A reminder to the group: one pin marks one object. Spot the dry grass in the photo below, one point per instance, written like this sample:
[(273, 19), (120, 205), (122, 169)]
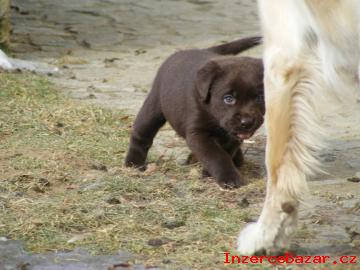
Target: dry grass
[(62, 186)]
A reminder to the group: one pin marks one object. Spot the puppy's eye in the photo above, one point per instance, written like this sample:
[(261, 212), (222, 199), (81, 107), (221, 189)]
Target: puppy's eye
[(229, 100)]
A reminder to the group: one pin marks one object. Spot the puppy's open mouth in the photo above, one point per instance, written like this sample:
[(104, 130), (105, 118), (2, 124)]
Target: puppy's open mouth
[(244, 136)]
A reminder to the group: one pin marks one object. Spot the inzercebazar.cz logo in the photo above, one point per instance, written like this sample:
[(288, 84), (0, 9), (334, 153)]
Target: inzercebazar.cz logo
[(289, 259)]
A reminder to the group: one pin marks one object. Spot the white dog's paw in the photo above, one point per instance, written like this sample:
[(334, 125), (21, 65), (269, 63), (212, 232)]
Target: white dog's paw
[(255, 239), (251, 240), (4, 61)]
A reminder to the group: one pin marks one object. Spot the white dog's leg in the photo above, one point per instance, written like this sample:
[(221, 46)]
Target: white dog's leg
[(291, 124), (4, 61), (8, 63), (358, 85), (292, 79), (305, 49), (271, 232)]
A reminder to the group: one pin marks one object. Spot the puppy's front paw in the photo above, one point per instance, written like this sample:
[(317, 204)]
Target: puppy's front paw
[(232, 181), (133, 161)]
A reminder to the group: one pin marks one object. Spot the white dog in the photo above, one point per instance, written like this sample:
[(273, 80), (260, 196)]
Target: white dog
[(311, 51), (11, 64)]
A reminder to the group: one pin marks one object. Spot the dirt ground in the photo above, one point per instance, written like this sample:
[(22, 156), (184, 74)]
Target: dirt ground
[(108, 53)]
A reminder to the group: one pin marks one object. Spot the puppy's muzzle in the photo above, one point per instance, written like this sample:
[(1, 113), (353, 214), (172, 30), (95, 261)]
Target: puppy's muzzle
[(247, 123)]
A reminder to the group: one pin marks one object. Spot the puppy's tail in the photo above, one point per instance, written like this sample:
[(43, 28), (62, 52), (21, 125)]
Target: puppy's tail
[(236, 46)]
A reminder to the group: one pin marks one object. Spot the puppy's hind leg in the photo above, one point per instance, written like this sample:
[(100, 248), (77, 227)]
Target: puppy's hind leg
[(147, 123)]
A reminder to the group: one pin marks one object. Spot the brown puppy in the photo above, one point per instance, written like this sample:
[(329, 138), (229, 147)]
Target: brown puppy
[(211, 100)]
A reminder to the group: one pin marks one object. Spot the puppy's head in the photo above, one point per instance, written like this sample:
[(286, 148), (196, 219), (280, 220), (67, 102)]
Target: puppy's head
[(231, 90)]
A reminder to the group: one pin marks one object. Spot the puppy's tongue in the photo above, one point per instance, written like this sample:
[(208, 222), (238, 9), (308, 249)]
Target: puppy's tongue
[(244, 136)]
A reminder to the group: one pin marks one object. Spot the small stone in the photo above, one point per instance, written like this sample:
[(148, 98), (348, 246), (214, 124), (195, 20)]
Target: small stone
[(155, 242), (140, 51), (113, 201), (38, 189), (172, 224), (354, 179), (23, 266), (111, 60), (354, 232), (86, 44), (57, 131), (117, 266), (99, 167), (356, 242), (321, 220), (355, 209), (37, 222), (44, 182), (243, 202)]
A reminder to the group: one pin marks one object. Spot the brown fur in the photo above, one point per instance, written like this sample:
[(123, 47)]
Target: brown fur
[(189, 91)]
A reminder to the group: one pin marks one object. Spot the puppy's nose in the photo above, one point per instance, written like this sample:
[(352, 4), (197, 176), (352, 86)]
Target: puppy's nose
[(247, 122)]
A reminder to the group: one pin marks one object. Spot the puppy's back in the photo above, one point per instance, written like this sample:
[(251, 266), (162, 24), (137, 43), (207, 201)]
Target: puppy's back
[(175, 81), (175, 85)]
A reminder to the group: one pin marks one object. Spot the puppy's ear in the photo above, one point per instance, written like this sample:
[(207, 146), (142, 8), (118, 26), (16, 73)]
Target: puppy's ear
[(206, 76)]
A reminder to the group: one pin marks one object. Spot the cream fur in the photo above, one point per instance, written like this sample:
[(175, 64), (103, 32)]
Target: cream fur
[(4, 61), (8, 63), (311, 53)]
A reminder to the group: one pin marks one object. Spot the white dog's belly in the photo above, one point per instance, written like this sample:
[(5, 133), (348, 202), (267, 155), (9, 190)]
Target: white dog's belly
[(328, 27)]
